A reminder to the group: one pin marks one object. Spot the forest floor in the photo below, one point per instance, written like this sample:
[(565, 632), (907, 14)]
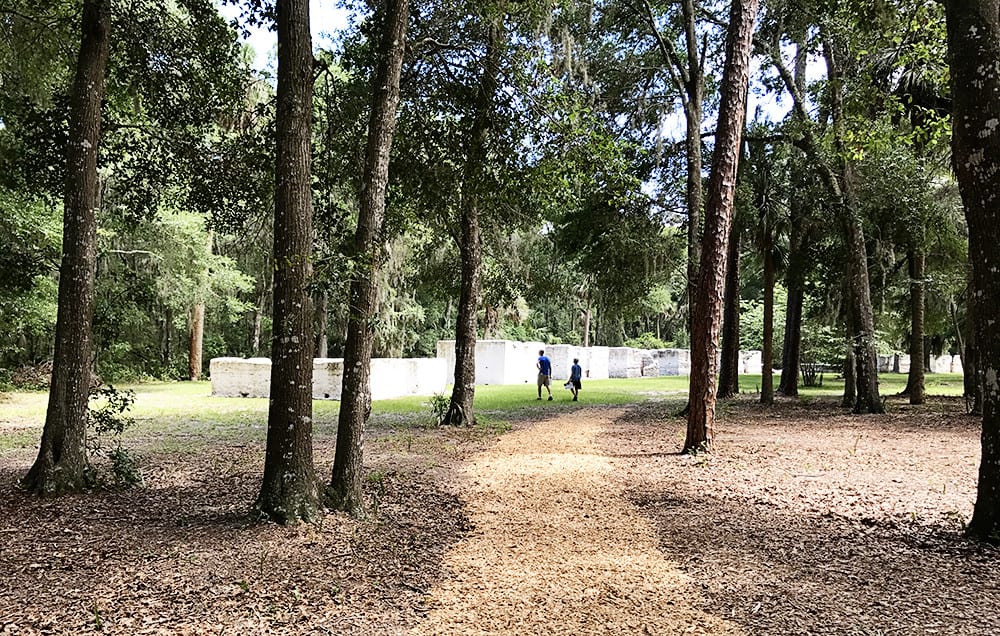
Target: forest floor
[(805, 520)]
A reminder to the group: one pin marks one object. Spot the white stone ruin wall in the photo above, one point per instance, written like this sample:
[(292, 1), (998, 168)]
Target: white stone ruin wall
[(650, 365), (328, 378), (390, 377), (946, 364), (562, 359), (446, 350), (594, 361), (673, 361), (624, 362), (240, 377)]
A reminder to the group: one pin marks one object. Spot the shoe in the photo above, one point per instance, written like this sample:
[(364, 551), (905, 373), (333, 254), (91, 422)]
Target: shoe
[(574, 399), (538, 399), (550, 398)]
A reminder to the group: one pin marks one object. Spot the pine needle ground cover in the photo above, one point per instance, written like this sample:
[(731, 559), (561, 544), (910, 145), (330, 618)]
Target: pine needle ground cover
[(548, 517)]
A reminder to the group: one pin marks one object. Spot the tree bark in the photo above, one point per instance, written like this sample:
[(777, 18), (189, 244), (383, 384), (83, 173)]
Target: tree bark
[(729, 366), (767, 355), (850, 371), (974, 53), (718, 217), (460, 410), (791, 349), (322, 324), (915, 378), (62, 464), (345, 489), (289, 491), (196, 341)]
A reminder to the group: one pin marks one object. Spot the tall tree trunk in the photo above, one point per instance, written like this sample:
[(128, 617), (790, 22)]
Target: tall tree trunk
[(729, 366), (62, 464), (718, 217), (289, 491), (460, 410), (791, 348), (974, 45), (972, 384), (915, 378), (861, 314), (197, 341), (767, 355), (322, 324), (344, 492)]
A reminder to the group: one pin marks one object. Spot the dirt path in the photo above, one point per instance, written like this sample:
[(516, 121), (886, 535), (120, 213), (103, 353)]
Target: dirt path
[(557, 548)]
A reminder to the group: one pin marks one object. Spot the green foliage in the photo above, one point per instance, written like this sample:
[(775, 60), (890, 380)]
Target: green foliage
[(439, 404), (647, 341), (108, 422)]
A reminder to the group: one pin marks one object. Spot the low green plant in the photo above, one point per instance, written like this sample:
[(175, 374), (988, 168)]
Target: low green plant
[(108, 422), (439, 404)]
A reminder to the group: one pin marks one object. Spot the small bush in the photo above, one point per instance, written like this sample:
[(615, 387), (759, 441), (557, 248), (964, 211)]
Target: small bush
[(439, 406), (108, 422)]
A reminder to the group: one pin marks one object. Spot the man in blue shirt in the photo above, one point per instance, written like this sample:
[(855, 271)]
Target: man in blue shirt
[(544, 366), (575, 377)]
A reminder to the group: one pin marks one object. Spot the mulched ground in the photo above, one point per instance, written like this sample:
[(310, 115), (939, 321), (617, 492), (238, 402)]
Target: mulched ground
[(806, 520)]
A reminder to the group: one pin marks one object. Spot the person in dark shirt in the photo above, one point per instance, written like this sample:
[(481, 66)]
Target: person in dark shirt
[(575, 377), (544, 366)]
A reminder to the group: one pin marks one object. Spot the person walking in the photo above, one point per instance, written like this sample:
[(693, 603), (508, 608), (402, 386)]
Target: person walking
[(544, 366), (575, 378)]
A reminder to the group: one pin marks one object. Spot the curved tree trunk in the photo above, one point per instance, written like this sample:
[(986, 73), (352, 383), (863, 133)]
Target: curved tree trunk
[(974, 45), (345, 489), (718, 217), (729, 365), (288, 492), (460, 410), (62, 464)]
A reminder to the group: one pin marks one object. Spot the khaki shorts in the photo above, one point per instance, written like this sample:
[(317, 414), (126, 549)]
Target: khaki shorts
[(544, 380)]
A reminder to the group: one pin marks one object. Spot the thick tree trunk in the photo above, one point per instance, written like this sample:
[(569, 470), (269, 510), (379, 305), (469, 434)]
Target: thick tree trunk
[(915, 378), (862, 321), (718, 217), (62, 464), (729, 365), (460, 410), (345, 489), (196, 341), (767, 355), (973, 51), (289, 491)]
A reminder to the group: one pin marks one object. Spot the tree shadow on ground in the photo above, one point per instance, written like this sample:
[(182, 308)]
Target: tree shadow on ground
[(810, 520)]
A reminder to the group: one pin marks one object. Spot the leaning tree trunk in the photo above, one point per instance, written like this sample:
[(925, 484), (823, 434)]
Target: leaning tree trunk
[(718, 217), (289, 492), (974, 45), (62, 464), (344, 492), (915, 378), (460, 410), (850, 371), (767, 355), (729, 365)]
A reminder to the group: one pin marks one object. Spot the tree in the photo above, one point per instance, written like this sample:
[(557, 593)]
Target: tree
[(289, 491), (974, 54), (460, 409), (62, 464), (718, 217), (344, 490), (729, 365)]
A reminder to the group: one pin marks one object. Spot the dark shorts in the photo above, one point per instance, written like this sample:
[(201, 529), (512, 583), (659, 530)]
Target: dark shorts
[(576, 384)]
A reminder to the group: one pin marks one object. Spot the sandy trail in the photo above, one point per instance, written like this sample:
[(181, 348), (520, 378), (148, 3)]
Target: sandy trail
[(557, 548)]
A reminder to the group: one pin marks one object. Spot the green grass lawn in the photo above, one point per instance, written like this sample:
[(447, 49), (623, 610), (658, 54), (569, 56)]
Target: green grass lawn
[(184, 415)]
